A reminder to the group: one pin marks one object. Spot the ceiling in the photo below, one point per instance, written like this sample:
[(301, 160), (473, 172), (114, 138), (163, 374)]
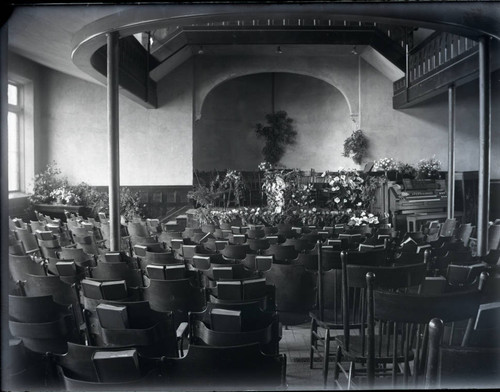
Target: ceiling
[(46, 33)]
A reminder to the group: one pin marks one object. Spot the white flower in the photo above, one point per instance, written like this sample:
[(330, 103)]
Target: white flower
[(336, 200)]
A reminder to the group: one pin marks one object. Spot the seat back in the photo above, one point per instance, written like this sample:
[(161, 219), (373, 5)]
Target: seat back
[(455, 367), (21, 265), (398, 332), (232, 367)]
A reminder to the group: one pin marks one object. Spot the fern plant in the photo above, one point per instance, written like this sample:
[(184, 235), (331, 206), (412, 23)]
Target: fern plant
[(278, 134), (356, 147)]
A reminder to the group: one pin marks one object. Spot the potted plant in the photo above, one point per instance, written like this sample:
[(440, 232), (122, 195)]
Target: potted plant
[(356, 147), (428, 168), (388, 166), (407, 170), (278, 134)]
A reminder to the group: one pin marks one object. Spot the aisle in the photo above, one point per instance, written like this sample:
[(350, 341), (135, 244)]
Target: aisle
[(295, 344)]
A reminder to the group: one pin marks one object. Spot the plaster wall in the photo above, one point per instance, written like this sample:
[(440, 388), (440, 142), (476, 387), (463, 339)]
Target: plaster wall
[(155, 144), (230, 110)]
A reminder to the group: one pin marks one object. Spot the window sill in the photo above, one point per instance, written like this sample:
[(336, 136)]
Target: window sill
[(17, 195)]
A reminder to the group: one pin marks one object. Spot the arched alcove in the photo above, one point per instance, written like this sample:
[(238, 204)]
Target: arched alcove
[(224, 136)]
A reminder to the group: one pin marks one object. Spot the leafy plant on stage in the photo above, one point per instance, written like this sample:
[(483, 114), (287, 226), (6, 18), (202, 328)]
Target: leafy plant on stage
[(130, 204), (278, 134), (356, 147)]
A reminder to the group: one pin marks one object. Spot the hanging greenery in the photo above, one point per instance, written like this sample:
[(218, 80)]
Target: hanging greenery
[(356, 147), (278, 134)]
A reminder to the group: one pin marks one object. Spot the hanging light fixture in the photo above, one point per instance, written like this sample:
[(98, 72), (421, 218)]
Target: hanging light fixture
[(278, 50), (200, 50), (354, 51)]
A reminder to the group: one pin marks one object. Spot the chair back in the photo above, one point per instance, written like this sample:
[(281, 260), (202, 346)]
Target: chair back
[(457, 367), (395, 333), (223, 367)]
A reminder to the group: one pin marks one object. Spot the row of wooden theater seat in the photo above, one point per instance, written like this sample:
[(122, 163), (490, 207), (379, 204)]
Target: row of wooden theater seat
[(157, 295)]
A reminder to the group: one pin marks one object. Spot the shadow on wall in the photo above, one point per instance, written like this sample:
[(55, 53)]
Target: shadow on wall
[(224, 137)]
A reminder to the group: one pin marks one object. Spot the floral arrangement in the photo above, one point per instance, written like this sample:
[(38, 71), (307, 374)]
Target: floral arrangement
[(65, 195), (284, 190), (223, 188), (407, 170), (428, 168), (345, 189), (356, 147), (362, 218), (45, 183), (385, 164)]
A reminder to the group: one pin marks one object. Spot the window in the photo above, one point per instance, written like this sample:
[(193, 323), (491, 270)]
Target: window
[(15, 137)]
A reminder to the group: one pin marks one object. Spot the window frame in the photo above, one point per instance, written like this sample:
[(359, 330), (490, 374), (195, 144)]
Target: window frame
[(19, 111)]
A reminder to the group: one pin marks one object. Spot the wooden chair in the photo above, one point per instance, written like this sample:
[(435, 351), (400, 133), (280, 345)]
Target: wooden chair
[(396, 336), (353, 348), (457, 367), (328, 313), (21, 265)]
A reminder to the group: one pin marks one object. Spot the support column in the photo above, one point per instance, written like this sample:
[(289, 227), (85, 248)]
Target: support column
[(451, 152), (113, 52), (484, 146), (4, 206)]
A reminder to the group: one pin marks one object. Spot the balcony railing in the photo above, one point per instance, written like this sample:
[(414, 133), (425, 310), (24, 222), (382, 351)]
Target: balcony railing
[(438, 50), (399, 34)]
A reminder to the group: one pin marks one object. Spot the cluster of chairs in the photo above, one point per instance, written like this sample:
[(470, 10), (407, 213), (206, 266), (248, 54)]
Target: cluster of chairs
[(145, 317), (225, 291), (376, 310)]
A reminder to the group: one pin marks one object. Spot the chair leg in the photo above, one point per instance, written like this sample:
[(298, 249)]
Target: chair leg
[(352, 369), (314, 329), (336, 363), (326, 356)]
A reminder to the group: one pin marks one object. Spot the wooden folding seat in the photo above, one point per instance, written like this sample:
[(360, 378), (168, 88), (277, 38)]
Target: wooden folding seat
[(300, 244), (117, 271), (258, 245), (89, 368), (234, 367), (178, 296), (223, 326), (282, 254), (23, 370), (21, 265), (295, 291), (90, 245), (42, 324), (235, 252), (219, 269), (136, 324), (29, 241)]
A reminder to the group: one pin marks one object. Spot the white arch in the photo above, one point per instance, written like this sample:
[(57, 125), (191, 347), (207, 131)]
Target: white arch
[(233, 70)]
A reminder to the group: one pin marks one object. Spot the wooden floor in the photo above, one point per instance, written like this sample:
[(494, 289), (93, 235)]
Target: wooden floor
[(295, 344)]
